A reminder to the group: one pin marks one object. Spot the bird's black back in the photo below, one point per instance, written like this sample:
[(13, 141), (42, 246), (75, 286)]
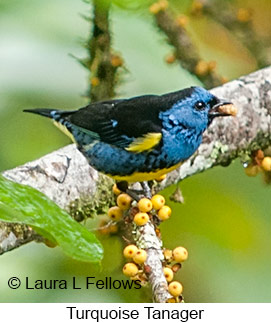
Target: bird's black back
[(131, 117)]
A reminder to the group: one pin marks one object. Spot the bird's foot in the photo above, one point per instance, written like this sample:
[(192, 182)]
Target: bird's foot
[(123, 187), (146, 189), (135, 194)]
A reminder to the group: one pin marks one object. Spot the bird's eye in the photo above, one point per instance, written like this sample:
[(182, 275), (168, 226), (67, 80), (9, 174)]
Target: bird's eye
[(200, 105)]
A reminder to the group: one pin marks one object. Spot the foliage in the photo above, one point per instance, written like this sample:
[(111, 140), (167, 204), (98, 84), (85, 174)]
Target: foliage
[(23, 204)]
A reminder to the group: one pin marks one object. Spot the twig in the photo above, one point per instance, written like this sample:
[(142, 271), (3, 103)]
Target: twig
[(184, 49), (239, 22), (102, 63)]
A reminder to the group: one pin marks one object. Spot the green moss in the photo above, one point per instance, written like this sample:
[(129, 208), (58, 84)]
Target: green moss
[(90, 206)]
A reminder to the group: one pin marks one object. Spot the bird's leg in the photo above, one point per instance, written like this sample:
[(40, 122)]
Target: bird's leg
[(123, 186), (146, 189)]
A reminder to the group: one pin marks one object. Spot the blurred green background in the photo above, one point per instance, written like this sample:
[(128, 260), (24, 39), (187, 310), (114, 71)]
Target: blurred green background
[(225, 222)]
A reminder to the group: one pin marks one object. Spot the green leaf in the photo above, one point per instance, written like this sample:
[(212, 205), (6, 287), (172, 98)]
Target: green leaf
[(23, 204)]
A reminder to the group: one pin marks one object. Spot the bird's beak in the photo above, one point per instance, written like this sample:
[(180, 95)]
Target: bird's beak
[(223, 109)]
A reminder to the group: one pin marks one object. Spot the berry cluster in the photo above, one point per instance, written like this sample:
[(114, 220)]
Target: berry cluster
[(172, 263), (135, 268), (260, 163), (139, 213)]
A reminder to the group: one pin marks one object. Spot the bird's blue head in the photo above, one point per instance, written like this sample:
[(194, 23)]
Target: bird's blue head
[(193, 110)]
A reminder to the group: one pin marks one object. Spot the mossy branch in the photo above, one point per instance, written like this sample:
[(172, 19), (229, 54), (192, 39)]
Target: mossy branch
[(102, 63)]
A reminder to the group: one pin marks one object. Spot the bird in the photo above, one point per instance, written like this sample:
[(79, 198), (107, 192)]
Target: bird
[(141, 138)]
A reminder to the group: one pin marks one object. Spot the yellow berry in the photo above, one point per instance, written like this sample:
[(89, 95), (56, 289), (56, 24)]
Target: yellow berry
[(164, 213), (168, 254), (140, 257), (175, 288), (180, 254), (130, 251), (116, 191), (115, 213), (130, 269), (168, 274), (124, 201), (141, 218), (266, 164), (158, 201), (144, 205)]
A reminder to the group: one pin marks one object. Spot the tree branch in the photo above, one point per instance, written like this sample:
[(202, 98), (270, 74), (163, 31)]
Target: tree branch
[(185, 50), (102, 64), (239, 22), (66, 178)]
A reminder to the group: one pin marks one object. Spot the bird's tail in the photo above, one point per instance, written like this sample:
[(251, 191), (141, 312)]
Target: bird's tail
[(50, 113)]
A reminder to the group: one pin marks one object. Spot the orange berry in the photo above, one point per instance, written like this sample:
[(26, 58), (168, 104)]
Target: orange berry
[(170, 59), (129, 251), (266, 164), (130, 269), (180, 254), (197, 7), (168, 274), (182, 21), (164, 213), (144, 205), (252, 170), (141, 218), (116, 61), (95, 81), (115, 213), (202, 68), (175, 288), (158, 6), (244, 15), (124, 201), (158, 201), (140, 257), (115, 189)]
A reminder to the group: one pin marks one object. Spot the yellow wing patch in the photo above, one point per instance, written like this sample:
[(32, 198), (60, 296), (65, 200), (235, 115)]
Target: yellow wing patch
[(144, 143), (64, 130)]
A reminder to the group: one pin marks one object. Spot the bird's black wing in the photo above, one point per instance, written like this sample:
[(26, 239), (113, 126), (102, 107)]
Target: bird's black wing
[(133, 124), (122, 122)]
